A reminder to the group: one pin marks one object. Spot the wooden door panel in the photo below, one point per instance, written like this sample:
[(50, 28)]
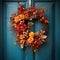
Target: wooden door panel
[(12, 52), (45, 52)]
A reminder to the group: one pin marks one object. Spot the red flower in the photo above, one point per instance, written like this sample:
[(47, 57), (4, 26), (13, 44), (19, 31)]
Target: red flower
[(20, 10), (21, 27), (32, 9)]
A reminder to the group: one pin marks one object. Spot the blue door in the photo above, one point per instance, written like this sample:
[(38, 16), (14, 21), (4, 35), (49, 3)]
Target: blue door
[(12, 51)]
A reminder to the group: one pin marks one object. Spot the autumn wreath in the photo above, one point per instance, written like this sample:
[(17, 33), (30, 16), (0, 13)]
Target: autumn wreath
[(21, 23)]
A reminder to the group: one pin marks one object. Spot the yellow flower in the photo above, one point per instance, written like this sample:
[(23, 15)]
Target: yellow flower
[(31, 34), (29, 40), (21, 36), (16, 19)]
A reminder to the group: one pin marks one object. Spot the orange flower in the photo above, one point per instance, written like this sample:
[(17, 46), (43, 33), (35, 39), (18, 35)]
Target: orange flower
[(21, 36), (29, 40), (21, 16), (31, 34), (16, 19)]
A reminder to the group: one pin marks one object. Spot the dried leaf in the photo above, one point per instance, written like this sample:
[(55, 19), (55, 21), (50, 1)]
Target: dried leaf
[(43, 36)]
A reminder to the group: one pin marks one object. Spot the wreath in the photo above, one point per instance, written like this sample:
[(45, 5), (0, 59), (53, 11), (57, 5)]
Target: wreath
[(21, 23)]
